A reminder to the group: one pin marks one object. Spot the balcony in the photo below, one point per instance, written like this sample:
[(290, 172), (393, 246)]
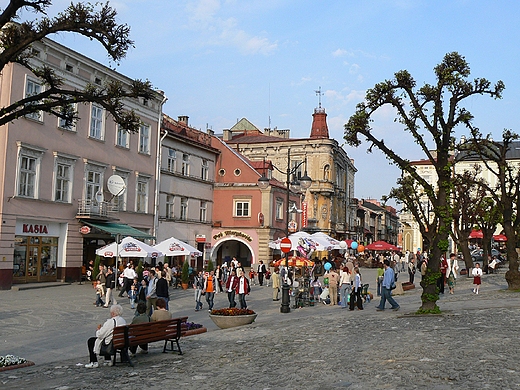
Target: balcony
[(89, 208)]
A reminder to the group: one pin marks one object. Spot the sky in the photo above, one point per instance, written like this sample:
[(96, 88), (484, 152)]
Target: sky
[(222, 60)]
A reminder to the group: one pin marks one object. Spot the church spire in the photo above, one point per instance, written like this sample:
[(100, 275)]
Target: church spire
[(319, 127)]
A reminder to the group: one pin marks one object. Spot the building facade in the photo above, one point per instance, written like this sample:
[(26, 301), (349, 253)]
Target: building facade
[(328, 205), (55, 205)]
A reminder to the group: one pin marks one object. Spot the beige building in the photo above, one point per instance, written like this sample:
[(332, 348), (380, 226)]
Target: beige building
[(55, 205), (328, 205)]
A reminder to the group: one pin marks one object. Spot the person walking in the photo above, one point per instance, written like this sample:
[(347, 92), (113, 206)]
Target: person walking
[(386, 290), (231, 286), (411, 271), (198, 286), (151, 293), (261, 270), (356, 290), (218, 278), (111, 286), (442, 279), (162, 288), (345, 286), (477, 275), (452, 271), (333, 286), (379, 278), (210, 288), (242, 290), (275, 277)]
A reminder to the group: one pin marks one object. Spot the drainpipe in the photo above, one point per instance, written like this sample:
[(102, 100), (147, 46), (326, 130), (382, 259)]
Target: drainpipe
[(158, 168)]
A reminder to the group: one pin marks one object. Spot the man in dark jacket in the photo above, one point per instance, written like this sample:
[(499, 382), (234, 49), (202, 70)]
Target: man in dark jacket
[(162, 288)]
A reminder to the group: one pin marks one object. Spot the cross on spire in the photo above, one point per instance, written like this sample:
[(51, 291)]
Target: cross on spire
[(319, 94)]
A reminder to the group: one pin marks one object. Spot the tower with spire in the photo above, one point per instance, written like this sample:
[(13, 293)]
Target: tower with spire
[(319, 127)]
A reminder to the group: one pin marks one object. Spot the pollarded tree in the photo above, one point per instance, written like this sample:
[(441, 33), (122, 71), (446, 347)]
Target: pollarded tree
[(430, 112), (97, 22)]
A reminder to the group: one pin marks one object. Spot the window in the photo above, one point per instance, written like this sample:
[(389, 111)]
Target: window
[(96, 122), (237, 172), (172, 156), (203, 211), (63, 125), (27, 176), (296, 167), (33, 88), (170, 206), (142, 195), (184, 209), (279, 209), (242, 208), (144, 139), (204, 170), (63, 183), (122, 137), (93, 183), (185, 170)]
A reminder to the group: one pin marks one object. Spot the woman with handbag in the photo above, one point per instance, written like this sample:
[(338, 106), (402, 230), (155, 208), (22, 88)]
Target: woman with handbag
[(97, 345)]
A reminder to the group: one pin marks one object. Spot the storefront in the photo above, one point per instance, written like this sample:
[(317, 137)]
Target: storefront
[(36, 252)]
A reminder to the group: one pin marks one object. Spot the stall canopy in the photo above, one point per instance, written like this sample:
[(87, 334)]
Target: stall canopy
[(129, 247), (118, 228), (476, 234), (500, 238), (294, 262), (381, 246), (174, 247), (301, 242), (326, 241)]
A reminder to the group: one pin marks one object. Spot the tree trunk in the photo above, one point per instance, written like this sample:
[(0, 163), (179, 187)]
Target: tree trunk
[(513, 275), (468, 261)]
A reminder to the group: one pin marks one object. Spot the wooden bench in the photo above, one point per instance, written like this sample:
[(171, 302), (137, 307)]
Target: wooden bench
[(133, 335)]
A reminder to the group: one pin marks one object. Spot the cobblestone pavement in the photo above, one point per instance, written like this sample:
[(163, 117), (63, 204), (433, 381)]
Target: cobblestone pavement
[(473, 344)]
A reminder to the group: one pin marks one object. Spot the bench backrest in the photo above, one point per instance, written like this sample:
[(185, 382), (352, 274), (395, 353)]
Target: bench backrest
[(119, 336)]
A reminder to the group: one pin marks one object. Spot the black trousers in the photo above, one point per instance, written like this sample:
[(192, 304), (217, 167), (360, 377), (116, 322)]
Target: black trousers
[(440, 283), (231, 298), (260, 278), (356, 296)]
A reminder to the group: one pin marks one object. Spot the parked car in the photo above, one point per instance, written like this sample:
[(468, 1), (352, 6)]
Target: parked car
[(476, 255)]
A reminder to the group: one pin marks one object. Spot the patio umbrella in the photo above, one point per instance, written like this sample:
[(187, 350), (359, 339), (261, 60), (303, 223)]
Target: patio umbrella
[(175, 247), (326, 241), (500, 238), (301, 242), (129, 247), (381, 246), (476, 234), (295, 261)]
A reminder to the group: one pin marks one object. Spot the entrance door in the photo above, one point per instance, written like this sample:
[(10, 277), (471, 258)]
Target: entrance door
[(35, 259)]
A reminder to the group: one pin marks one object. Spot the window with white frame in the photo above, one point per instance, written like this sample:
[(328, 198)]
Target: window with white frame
[(120, 201), (172, 158), (96, 122), (142, 195), (185, 169), (33, 88), (203, 211), (279, 208), (62, 123), (170, 206), (28, 171), (93, 181), (184, 209), (204, 170), (122, 137), (144, 139), (63, 174), (242, 208)]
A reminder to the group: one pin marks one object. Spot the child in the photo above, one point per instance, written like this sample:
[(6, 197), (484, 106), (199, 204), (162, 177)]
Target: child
[(132, 295), (100, 292), (477, 274), (252, 276), (316, 289)]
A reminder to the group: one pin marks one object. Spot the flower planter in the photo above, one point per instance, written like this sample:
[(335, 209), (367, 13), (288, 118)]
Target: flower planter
[(184, 286), (15, 366), (225, 322), (191, 332)]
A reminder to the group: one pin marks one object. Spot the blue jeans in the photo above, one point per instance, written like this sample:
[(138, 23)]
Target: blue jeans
[(386, 295), (379, 286), (198, 303), (344, 292), (242, 300), (209, 298)]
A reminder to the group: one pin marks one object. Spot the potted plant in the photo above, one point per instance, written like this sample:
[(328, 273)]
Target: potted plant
[(231, 317), (185, 275)]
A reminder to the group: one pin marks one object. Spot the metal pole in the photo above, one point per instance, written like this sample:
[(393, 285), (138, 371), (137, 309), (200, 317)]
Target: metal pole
[(286, 299)]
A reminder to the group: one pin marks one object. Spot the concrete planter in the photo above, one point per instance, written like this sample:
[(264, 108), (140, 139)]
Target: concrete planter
[(192, 332), (225, 322)]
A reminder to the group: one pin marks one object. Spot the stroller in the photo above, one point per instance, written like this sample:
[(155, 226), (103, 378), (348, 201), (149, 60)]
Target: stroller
[(365, 296)]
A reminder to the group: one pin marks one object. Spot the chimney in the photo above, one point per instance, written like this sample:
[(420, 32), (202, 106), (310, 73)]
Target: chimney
[(319, 127), (183, 119), (227, 135)]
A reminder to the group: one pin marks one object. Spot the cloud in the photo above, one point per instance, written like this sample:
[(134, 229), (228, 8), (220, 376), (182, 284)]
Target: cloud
[(342, 53), (354, 68), (204, 17)]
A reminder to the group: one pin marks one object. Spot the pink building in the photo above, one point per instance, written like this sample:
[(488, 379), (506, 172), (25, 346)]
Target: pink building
[(55, 206)]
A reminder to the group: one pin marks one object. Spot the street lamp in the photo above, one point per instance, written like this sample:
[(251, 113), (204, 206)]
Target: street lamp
[(295, 185)]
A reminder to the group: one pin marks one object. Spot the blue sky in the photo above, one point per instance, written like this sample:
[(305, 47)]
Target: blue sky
[(222, 60)]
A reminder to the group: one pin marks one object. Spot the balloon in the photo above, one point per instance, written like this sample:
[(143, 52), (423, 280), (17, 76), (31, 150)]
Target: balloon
[(354, 245), (361, 248), (327, 266), (342, 244)]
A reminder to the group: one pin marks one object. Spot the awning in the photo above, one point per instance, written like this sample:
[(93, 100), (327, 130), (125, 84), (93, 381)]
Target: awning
[(118, 228)]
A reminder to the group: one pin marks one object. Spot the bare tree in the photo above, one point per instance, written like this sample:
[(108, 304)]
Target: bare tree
[(97, 22), (434, 110)]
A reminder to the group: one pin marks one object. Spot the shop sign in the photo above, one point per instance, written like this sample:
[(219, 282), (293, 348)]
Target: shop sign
[(234, 233), (293, 226), (35, 229), (29, 228), (200, 238), (84, 229)]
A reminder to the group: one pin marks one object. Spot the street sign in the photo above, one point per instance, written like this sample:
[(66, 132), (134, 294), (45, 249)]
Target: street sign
[(285, 245)]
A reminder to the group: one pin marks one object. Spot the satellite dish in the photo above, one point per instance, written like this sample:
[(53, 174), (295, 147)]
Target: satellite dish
[(116, 185), (99, 196)]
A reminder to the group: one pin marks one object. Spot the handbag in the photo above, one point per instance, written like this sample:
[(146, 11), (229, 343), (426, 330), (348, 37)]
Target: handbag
[(107, 349)]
